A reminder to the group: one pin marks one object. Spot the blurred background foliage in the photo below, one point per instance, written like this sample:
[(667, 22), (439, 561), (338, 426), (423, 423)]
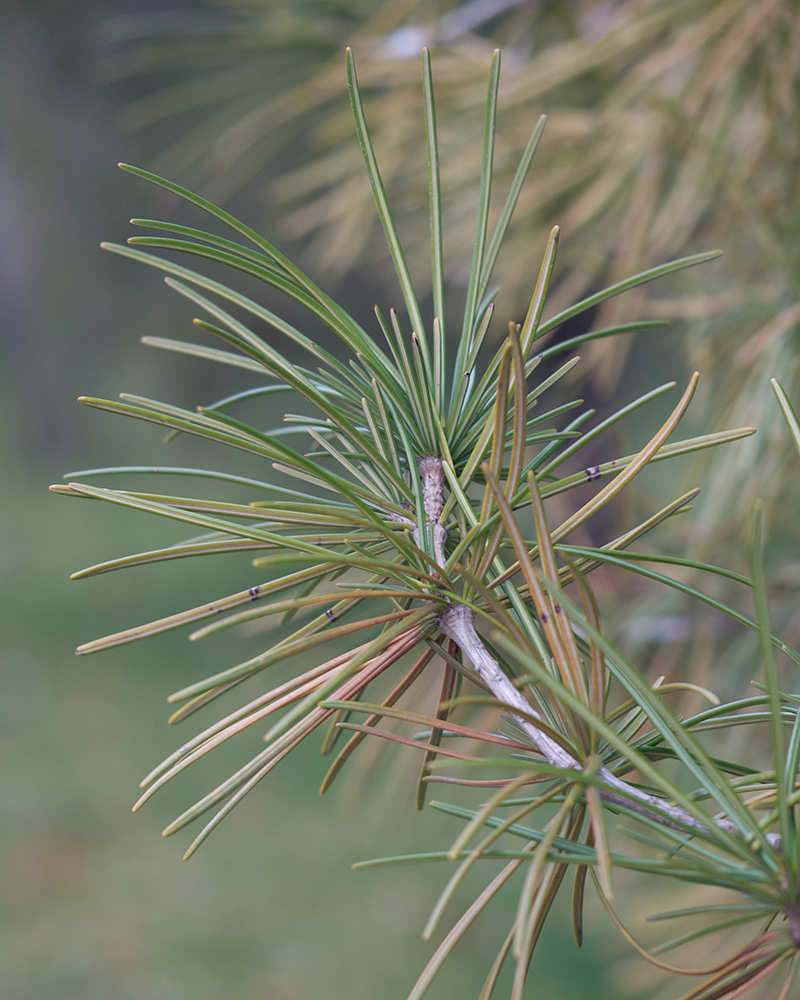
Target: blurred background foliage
[(673, 127)]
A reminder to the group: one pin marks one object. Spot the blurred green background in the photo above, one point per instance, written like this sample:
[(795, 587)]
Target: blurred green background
[(95, 905)]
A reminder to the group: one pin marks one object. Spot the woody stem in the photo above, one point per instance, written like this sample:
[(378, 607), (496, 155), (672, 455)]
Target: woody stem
[(456, 621)]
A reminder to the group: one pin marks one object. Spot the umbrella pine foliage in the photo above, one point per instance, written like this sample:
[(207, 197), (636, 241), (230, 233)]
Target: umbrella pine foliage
[(419, 536)]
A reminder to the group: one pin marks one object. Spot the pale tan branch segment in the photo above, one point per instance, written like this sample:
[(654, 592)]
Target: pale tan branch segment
[(457, 622)]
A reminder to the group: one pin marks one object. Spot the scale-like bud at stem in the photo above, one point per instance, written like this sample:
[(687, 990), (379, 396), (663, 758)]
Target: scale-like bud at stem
[(430, 469)]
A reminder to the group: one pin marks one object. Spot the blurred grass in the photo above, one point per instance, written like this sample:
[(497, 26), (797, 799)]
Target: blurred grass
[(95, 903)]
